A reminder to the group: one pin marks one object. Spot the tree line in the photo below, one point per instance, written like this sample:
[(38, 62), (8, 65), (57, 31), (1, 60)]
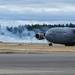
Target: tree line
[(36, 27)]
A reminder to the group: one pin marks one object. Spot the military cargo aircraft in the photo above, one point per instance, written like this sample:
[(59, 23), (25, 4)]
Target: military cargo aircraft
[(58, 35)]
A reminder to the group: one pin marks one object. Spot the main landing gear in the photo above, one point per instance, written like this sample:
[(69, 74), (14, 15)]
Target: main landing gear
[(69, 44)]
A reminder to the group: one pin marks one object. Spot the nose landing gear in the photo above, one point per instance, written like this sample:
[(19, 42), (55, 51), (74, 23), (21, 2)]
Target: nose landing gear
[(50, 44)]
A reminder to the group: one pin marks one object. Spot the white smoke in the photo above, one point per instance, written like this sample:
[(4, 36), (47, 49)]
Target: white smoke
[(26, 36)]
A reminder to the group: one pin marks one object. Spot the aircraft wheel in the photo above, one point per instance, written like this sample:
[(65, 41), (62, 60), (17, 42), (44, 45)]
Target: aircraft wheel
[(69, 45), (50, 44)]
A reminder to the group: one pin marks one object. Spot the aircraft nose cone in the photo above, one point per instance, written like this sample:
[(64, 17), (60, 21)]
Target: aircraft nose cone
[(47, 36)]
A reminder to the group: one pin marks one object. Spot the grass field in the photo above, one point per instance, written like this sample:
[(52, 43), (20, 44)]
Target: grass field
[(36, 47)]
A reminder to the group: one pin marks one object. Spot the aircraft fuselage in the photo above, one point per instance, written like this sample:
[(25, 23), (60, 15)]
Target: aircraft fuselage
[(61, 35)]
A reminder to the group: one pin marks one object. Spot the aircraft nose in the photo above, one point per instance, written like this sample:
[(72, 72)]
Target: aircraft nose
[(47, 36)]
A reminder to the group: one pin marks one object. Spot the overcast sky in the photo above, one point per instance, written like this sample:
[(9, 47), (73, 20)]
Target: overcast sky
[(15, 12)]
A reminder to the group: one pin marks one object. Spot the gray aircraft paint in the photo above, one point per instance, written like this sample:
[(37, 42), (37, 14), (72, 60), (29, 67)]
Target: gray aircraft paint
[(61, 35)]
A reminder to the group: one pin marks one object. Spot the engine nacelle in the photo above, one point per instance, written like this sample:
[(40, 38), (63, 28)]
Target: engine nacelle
[(40, 36)]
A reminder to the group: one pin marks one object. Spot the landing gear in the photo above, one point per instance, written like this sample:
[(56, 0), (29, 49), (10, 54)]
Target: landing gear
[(69, 44), (50, 44)]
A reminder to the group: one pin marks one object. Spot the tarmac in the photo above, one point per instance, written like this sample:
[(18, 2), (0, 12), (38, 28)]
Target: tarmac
[(41, 63)]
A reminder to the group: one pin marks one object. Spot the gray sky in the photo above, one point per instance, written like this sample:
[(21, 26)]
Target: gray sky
[(15, 12)]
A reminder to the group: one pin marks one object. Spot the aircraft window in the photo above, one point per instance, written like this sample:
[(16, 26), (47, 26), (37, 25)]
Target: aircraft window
[(53, 31), (60, 32)]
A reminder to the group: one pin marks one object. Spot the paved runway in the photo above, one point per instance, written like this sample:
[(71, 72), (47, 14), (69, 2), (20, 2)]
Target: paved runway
[(54, 63)]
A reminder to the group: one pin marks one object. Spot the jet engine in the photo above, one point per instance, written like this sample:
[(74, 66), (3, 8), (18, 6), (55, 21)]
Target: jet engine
[(40, 36)]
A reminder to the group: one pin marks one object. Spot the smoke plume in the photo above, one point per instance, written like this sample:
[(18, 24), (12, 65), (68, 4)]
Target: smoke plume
[(24, 35)]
